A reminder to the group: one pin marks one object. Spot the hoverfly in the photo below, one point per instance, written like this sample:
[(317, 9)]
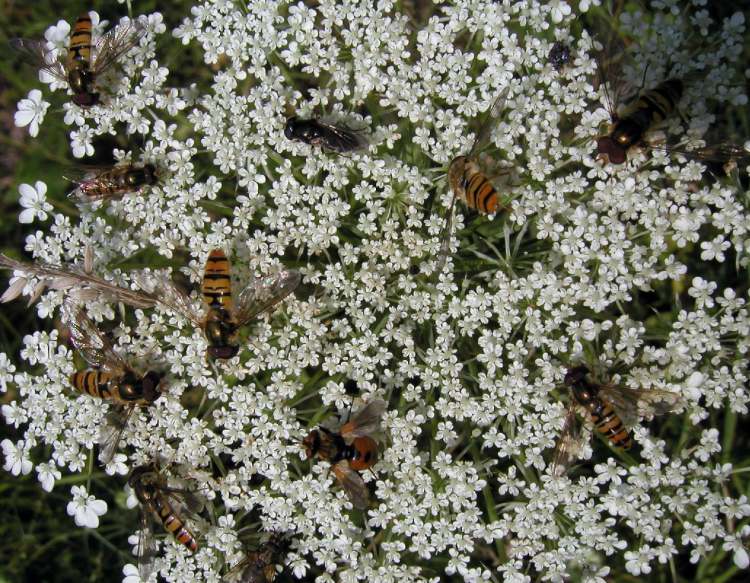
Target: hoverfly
[(112, 379), (611, 409), (219, 319), (77, 280), (636, 112), (350, 450), (85, 62), (168, 504), (336, 138), (559, 55), (260, 566), (470, 184), (114, 182)]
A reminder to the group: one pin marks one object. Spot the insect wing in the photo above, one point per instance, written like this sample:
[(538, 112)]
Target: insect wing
[(484, 133), (568, 444), (111, 432), (445, 235), (36, 53), (630, 404), (115, 43), (83, 287), (353, 485), (342, 139), (264, 293), (166, 293), (366, 421), (91, 343), (146, 545)]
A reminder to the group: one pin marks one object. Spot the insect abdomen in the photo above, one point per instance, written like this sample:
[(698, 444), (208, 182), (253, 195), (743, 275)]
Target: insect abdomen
[(95, 383), (173, 524), (652, 108), (480, 194), (216, 287), (609, 424), (80, 40)]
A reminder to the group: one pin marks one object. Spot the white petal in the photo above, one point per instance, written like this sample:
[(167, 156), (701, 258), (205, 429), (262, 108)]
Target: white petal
[(36, 96), (27, 192), (27, 216), (99, 507), (23, 116), (40, 187), (740, 558)]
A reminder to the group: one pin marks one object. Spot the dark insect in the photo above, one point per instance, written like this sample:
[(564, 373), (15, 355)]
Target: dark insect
[(169, 505), (260, 566), (559, 55), (350, 450), (112, 379), (611, 409), (327, 136), (85, 61), (114, 182)]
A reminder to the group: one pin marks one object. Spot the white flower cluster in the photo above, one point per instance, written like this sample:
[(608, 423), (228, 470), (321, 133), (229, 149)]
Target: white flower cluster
[(471, 360)]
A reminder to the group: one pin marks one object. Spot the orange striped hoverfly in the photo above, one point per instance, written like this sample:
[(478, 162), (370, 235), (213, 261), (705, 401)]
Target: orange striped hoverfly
[(112, 379), (85, 61), (611, 409), (219, 318), (470, 184), (260, 566), (350, 450), (169, 505), (114, 182)]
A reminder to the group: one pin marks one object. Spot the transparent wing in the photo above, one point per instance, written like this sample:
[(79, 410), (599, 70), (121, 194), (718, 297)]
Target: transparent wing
[(353, 485), (631, 404), (234, 574), (111, 432), (36, 53), (165, 292), (484, 132), (114, 44), (611, 59), (264, 293), (146, 545), (445, 235), (366, 421), (342, 139), (91, 342), (568, 444), (87, 287)]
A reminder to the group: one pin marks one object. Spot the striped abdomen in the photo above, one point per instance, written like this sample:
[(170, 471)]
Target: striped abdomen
[(79, 51), (609, 424), (470, 184), (172, 523), (602, 414), (216, 287), (95, 383)]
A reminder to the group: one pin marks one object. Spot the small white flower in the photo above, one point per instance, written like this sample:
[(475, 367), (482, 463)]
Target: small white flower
[(48, 473), (33, 199), (559, 10), (85, 509), (16, 461), (31, 112)]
